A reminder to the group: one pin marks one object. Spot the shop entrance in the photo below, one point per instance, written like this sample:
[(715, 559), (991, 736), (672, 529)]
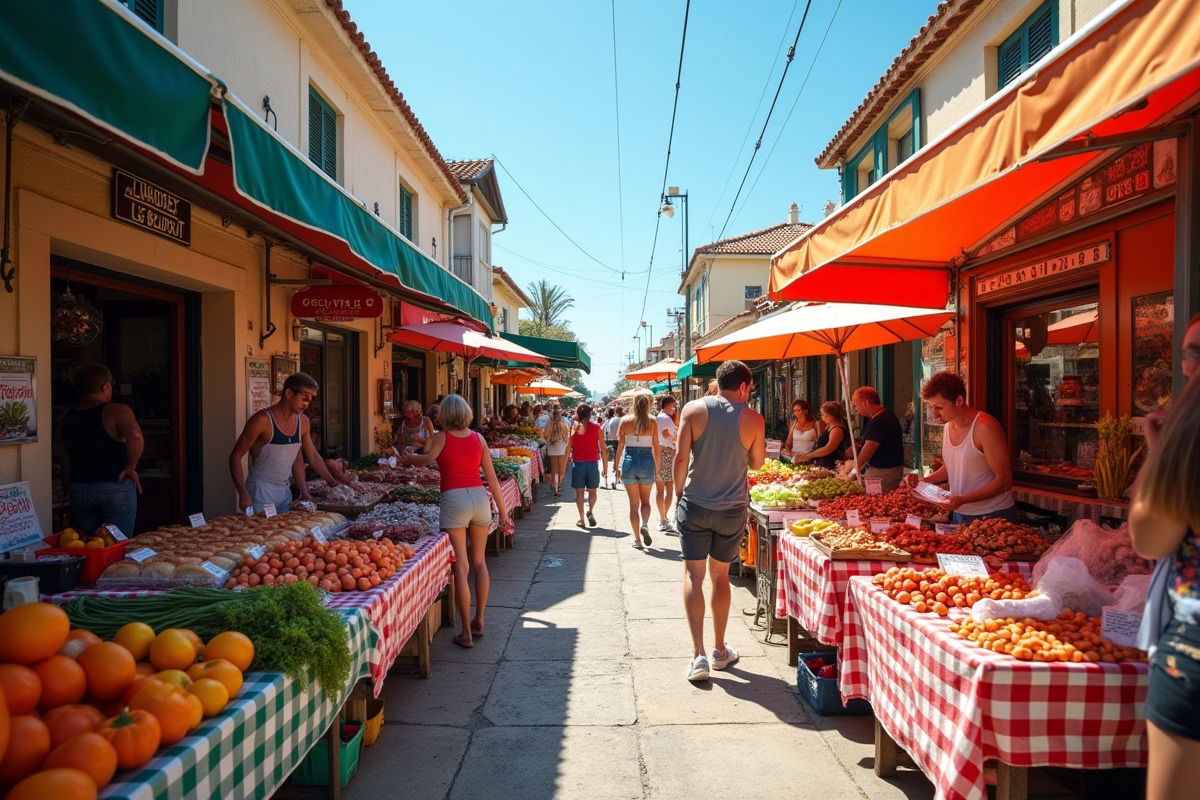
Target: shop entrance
[(331, 358), (137, 331)]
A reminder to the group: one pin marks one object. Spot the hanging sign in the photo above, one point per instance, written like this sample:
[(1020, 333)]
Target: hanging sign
[(1086, 256), (141, 203), (19, 524), (18, 403), (337, 303)]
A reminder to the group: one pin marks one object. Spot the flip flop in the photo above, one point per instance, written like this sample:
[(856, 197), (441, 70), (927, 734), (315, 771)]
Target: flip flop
[(591, 519), (458, 641), (580, 525), (476, 633)]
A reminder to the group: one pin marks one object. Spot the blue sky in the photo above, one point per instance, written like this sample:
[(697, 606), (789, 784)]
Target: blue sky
[(533, 84)]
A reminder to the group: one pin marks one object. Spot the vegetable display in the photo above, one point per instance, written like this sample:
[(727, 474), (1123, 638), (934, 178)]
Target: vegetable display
[(333, 566), (416, 494), (925, 544), (1072, 636), (894, 505), (839, 538), (1003, 539), (934, 591)]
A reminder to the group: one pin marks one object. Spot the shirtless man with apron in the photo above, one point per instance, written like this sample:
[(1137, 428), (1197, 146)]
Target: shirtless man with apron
[(278, 442)]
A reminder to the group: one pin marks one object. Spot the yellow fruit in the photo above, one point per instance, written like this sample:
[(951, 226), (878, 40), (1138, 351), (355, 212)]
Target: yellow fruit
[(175, 677), (136, 638), (68, 536), (197, 715), (219, 670), (96, 544), (172, 649), (213, 695), (234, 647), (76, 543)]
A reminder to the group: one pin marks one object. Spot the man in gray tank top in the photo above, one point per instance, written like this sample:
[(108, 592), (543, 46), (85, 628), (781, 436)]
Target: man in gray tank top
[(719, 439)]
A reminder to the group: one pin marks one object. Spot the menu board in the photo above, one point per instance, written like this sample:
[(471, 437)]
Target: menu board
[(18, 401), (1153, 334), (19, 524)]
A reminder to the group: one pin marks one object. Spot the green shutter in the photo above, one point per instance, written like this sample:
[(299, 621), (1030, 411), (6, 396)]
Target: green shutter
[(1008, 59), (148, 11), (1040, 34), (406, 199), (322, 134), (1029, 43), (314, 127)]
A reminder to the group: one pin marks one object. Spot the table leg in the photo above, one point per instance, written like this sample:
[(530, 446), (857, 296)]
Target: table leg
[(793, 642), (422, 635), (449, 612), (334, 737), (887, 752), (1012, 783)]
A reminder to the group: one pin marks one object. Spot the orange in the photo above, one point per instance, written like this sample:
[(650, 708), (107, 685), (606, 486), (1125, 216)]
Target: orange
[(213, 695), (110, 669), (136, 638), (196, 640), (197, 712), (63, 681), (89, 752), (145, 669), (176, 677), (32, 632), (61, 784), (172, 649), (169, 706), (77, 641), (22, 688), (66, 722), (28, 746), (220, 670), (234, 647)]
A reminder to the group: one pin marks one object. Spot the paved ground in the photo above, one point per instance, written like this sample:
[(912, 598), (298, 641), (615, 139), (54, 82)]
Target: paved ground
[(577, 691)]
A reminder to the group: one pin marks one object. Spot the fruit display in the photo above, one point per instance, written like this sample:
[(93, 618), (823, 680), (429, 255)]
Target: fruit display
[(854, 539), (101, 537), (924, 544), (934, 591), (397, 476), (777, 495), (829, 488), (772, 471), (894, 505), (333, 566), (1003, 539), (182, 556), (1072, 636), (407, 534), (416, 494), (341, 496), (807, 527), (402, 513)]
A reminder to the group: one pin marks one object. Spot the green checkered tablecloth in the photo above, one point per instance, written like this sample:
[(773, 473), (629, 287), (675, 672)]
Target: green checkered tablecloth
[(262, 736)]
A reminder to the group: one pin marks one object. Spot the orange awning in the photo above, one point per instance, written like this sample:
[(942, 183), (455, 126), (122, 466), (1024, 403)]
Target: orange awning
[(895, 241), (664, 370)]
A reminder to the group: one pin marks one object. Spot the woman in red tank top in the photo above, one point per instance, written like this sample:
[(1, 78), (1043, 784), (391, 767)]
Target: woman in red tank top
[(465, 506), (583, 451)]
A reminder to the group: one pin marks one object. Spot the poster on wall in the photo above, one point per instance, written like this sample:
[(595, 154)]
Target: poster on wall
[(1153, 337), (19, 524), (258, 385), (18, 401), (281, 368)]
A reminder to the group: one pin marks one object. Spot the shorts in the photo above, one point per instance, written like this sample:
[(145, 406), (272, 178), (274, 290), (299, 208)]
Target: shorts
[(637, 466), (889, 477), (585, 475), (556, 449), (467, 506), (705, 533), (1173, 699), (666, 465), (611, 447)]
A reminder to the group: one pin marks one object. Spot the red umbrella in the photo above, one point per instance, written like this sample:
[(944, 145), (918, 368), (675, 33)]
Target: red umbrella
[(450, 337)]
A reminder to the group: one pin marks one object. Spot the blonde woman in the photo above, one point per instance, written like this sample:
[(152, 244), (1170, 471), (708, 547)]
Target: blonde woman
[(556, 435), (461, 453), (637, 464)]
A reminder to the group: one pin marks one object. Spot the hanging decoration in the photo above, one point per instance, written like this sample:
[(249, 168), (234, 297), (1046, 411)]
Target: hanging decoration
[(76, 321)]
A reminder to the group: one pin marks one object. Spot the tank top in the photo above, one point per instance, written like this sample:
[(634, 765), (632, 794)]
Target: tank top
[(557, 432), (586, 446), (804, 441), (639, 441), (667, 430), (459, 461), (967, 470), (830, 461), (274, 461), (413, 437), (95, 456), (717, 475)]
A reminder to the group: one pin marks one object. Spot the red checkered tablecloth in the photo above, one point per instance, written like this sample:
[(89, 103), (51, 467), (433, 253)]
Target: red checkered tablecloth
[(952, 705), (511, 493), (395, 607), (812, 586)]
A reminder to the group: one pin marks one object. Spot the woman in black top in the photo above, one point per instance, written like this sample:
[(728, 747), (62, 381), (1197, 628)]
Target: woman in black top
[(832, 440)]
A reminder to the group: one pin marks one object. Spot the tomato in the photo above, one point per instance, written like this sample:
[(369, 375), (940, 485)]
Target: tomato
[(136, 638), (32, 632), (22, 688), (197, 711), (63, 681), (173, 649), (220, 670), (135, 735), (28, 746), (61, 784), (170, 707), (89, 752), (213, 695), (110, 669), (234, 647), (77, 641), (176, 677), (65, 722)]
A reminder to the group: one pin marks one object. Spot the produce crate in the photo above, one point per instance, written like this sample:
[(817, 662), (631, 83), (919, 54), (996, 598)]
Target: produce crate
[(55, 573), (314, 770), (374, 721), (822, 693), (97, 559)]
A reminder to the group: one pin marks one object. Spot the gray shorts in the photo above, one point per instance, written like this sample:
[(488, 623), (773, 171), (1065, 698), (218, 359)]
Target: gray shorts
[(463, 507), (705, 533)]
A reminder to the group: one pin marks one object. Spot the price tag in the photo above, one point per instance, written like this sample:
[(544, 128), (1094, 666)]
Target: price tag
[(852, 519), (197, 520), (383, 462), (116, 532), (392, 461), (377, 534), (269, 510), (1120, 627), (913, 520), (249, 511), (956, 564), (319, 535), (874, 486), (945, 527), (142, 554), (215, 571), (257, 551), (880, 525)]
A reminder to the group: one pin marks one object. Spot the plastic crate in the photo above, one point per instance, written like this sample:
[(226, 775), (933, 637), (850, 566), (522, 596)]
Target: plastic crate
[(97, 559), (822, 693), (55, 575), (314, 769)]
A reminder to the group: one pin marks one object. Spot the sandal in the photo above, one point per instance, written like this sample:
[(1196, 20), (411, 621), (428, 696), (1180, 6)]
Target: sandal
[(458, 641), (476, 633), (591, 519), (580, 525), (646, 535)]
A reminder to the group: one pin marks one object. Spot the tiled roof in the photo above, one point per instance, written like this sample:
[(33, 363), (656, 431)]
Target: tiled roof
[(469, 171), (766, 241), (376, 66), (948, 18), (501, 274)]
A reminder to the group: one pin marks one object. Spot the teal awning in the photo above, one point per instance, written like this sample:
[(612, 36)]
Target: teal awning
[(659, 388), (691, 369), (563, 354), (99, 61), (270, 172)]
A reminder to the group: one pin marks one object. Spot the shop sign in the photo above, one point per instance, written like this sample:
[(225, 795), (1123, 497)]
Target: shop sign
[(18, 401), (19, 524), (1086, 256), (141, 203), (337, 303)]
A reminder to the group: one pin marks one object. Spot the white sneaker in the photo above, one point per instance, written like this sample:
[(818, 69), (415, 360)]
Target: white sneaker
[(697, 671), (724, 660)]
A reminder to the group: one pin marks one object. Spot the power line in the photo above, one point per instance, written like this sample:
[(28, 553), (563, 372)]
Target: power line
[(757, 144), (617, 114)]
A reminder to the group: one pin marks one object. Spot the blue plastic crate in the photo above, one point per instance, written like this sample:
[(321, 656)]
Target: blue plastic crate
[(314, 770), (822, 693)]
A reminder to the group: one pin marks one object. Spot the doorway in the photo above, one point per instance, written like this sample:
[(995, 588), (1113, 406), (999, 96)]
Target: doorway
[(331, 358)]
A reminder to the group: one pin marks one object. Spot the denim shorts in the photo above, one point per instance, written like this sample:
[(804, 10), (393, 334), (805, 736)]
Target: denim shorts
[(705, 533), (1173, 699), (637, 466), (585, 475), (463, 507), (96, 504)]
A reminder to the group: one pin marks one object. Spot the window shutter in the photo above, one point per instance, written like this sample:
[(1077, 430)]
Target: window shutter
[(149, 11), (406, 213), (1008, 59), (1041, 34), (329, 142), (315, 129)]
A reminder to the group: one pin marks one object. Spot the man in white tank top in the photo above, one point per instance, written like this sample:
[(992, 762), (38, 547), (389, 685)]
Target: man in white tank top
[(977, 464)]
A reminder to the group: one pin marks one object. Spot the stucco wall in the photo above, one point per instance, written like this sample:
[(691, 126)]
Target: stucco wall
[(728, 278)]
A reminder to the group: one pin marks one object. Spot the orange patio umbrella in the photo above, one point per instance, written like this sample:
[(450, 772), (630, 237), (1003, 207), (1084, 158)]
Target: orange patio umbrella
[(546, 387), (513, 377), (662, 371)]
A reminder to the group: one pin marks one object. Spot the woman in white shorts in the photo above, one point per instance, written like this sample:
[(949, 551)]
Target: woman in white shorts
[(557, 434)]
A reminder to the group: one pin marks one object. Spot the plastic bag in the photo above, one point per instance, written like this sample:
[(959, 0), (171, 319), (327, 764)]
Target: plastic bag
[(1107, 553), (1064, 584), (1131, 594)]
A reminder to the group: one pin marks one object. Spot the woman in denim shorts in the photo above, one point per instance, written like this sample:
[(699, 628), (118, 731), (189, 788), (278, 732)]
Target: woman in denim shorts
[(637, 463)]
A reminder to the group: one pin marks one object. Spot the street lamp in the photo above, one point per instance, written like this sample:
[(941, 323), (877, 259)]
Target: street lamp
[(649, 339), (668, 211)]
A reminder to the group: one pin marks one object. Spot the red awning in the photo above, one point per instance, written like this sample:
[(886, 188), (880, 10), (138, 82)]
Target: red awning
[(1130, 72)]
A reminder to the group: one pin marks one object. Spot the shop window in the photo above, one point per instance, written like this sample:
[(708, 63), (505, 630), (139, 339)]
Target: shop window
[(1055, 392), (752, 295), (1035, 38), (322, 133), (406, 213), (148, 11)]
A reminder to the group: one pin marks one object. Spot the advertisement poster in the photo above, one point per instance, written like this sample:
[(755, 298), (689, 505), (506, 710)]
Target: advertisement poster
[(281, 368), (258, 384), (18, 401), (19, 524), (1153, 336)]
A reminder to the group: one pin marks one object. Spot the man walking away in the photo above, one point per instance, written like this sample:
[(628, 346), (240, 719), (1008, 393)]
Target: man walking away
[(719, 438)]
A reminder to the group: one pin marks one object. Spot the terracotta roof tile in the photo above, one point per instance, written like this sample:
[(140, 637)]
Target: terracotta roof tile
[(376, 66), (767, 241), (948, 18), (469, 171)]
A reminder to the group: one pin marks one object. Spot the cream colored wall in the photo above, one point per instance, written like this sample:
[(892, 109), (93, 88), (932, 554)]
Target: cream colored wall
[(728, 278), (503, 298)]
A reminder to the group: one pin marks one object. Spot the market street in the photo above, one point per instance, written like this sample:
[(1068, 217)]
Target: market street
[(577, 690)]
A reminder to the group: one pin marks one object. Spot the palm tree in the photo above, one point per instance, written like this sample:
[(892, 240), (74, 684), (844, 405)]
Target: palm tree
[(549, 303)]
